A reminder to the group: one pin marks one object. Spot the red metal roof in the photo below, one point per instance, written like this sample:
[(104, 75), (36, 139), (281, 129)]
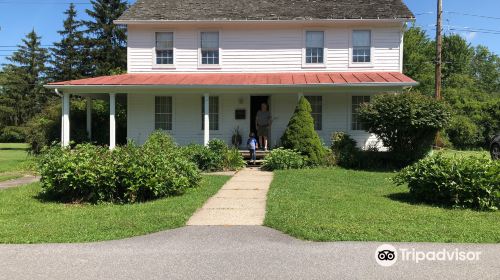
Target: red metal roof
[(249, 79)]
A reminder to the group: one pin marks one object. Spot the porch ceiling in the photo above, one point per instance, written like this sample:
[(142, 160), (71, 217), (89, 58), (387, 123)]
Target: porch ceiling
[(243, 80)]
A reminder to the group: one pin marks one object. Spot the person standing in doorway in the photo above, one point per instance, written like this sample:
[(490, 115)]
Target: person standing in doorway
[(263, 125)]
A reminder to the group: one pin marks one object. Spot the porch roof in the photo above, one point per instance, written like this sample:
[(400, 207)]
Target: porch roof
[(202, 80)]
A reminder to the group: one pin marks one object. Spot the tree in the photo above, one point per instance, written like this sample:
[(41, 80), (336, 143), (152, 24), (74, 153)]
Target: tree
[(405, 123), (301, 136), (23, 93), (486, 70), (69, 56), (106, 40), (419, 59), (457, 57)]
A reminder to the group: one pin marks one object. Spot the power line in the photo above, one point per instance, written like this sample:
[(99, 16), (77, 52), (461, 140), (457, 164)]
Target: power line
[(472, 15)]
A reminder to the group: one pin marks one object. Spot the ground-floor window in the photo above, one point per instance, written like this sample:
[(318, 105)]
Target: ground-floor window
[(213, 112), (317, 110), (356, 124), (163, 112)]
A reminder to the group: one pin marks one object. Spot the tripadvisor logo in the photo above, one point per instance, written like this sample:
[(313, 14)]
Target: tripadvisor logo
[(387, 255)]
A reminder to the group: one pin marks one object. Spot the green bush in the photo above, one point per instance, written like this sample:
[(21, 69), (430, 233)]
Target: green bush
[(202, 157), (470, 182), (234, 160), (216, 157), (44, 129), (219, 150), (282, 159), (345, 150), (301, 136), (406, 124), (12, 134), (127, 174), (464, 133)]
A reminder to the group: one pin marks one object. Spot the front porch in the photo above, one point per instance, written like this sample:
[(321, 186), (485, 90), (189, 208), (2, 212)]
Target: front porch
[(195, 108)]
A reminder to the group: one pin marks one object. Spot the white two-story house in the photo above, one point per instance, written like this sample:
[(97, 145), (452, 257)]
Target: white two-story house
[(199, 69)]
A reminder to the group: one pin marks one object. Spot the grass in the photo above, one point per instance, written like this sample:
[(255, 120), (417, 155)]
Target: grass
[(462, 154), (347, 205), (25, 219), (14, 160)]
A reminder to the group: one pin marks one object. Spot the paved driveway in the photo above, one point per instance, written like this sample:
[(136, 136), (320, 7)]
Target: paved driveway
[(240, 252)]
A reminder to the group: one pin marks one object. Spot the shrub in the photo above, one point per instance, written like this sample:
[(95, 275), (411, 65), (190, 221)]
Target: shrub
[(301, 136), (234, 160), (12, 134), (219, 150), (345, 150), (405, 123), (216, 157), (127, 174), (282, 159), (45, 128), (203, 157), (464, 134), (460, 182)]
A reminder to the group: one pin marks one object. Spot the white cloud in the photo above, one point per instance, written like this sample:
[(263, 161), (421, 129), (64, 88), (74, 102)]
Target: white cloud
[(469, 36)]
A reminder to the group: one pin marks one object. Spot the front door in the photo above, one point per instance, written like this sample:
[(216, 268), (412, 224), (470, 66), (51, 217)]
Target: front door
[(255, 103)]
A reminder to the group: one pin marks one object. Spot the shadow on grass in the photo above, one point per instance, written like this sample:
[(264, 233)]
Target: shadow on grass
[(13, 149), (407, 198)]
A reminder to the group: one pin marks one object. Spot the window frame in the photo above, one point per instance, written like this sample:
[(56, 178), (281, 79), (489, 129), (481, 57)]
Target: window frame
[(320, 125), (200, 55), (171, 113), (353, 64), (351, 112), (304, 49), (174, 49), (218, 114)]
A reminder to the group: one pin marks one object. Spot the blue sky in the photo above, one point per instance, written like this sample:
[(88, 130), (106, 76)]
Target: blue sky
[(18, 17)]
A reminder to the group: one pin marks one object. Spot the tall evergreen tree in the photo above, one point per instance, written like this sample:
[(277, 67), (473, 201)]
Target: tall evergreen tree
[(69, 59), (23, 93), (301, 136), (106, 40)]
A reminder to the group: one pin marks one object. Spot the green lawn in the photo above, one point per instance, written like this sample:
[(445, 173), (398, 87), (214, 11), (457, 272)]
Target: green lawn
[(338, 204), (25, 219), (465, 153), (14, 160)]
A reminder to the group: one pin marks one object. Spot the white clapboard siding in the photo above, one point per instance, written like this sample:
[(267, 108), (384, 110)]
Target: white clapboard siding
[(262, 50), (187, 117)]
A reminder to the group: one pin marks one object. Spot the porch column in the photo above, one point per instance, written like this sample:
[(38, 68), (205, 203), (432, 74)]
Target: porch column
[(65, 120), (89, 118), (206, 119), (299, 95), (112, 121)]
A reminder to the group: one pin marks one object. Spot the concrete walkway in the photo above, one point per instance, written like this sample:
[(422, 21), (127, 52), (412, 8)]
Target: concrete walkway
[(19, 182), (241, 201), (234, 252)]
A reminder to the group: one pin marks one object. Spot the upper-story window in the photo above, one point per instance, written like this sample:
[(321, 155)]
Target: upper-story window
[(210, 48), (315, 46), (361, 46), (164, 48)]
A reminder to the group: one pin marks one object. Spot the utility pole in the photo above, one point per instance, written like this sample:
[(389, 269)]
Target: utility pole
[(439, 46)]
